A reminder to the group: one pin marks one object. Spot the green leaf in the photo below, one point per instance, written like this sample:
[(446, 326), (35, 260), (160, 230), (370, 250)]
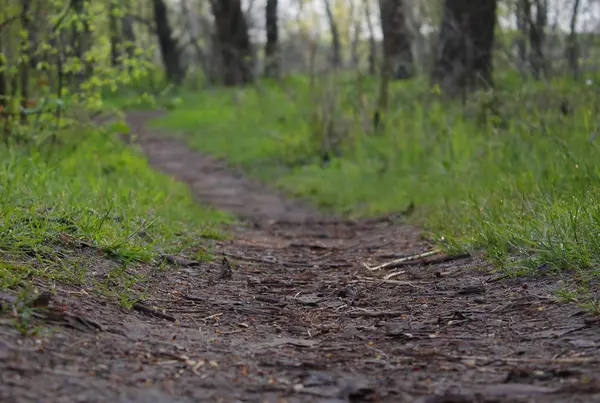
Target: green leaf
[(120, 127)]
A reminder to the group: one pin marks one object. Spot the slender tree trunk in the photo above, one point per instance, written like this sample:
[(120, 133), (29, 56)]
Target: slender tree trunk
[(336, 55), (536, 27), (129, 43), (419, 43), (4, 104), (168, 46), (115, 35), (213, 57), (521, 40), (354, 53), (3, 82), (466, 42), (271, 47), (233, 42), (25, 49), (397, 52), (372, 42), (356, 33), (191, 22), (81, 42), (572, 45), (128, 34)]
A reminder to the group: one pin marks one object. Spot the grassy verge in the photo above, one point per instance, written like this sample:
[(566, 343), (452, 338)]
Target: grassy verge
[(507, 171), (90, 211)]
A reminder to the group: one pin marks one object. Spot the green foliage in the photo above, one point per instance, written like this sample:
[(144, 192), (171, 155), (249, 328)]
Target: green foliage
[(507, 172), (77, 205), (57, 60), (91, 193)]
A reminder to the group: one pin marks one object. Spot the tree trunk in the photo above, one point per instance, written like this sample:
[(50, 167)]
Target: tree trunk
[(336, 55), (372, 42), (572, 45), (192, 22), (169, 49), (397, 52), (3, 83), (537, 36), (521, 41), (466, 42), (115, 35), (233, 42), (271, 47), (4, 96), (213, 55), (24, 67), (356, 33), (81, 42), (128, 34)]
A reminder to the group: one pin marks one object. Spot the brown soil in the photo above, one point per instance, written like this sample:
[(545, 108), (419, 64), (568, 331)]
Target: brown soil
[(298, 318)]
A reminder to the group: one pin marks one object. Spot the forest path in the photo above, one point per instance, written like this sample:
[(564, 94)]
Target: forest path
[(300, 319)]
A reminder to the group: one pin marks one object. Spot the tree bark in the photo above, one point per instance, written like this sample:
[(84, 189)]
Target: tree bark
[(271, 47), (572, 45), (356, 24), (372, 42), (115, 35), (521, 41), (81, 42), (466, 41), (537, 37), (3, 83), (397, 53), (24, 67), (129, 34), (233, 42), (169, 49), (336, 50), (4, 95), (191, 22), (129, 44)]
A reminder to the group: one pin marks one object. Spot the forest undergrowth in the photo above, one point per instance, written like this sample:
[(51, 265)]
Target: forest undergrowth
[(68, 208)]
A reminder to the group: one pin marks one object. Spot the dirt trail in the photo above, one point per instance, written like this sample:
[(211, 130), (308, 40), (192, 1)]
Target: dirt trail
[(214, 183), (300, 319)]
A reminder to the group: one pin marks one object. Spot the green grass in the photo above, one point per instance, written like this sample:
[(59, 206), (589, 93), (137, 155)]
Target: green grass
[(505, 172), (90, 211)]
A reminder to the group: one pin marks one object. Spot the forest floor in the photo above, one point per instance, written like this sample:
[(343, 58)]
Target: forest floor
[(288, 311)]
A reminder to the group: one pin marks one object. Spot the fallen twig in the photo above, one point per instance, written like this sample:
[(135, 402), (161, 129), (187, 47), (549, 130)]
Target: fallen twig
[(179, 260), (270, 300), (193, 298), (216, 315), (394, 274), (568, 360), (381, 280), (267, 260), (375, 314), (152, 312), (405, 259), (592, 321), (69, 320), (507, 360), (471, 289)]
